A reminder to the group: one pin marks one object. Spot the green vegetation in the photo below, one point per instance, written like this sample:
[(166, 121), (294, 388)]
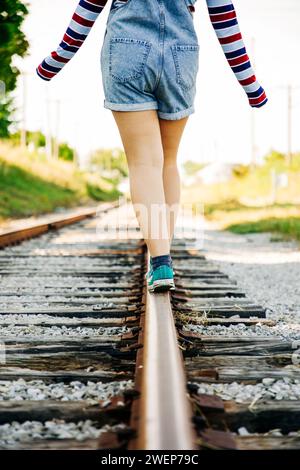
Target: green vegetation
[(254, 189), (111, 163), (95, 192), (232, 205), (278, 162), (12, 43), (22, 193), (228, 205), (191, 167), (287, 227), (248, 202), (31, 183), (65, 152), (37, 140), (249, 188)]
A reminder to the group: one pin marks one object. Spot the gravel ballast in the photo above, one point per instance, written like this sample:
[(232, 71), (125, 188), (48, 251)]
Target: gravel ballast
[(268, 388), (13, 433), (243, 432), (59, 331), (268, 272), (282, 330), (19, 390)]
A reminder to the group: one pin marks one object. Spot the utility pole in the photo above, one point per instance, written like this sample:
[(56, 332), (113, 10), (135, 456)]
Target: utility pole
[(48, 125), (216, 151), (252, 118), (289, 125), (76, 148), (289, 89), (57, 124), (24, 107), (253, 144)]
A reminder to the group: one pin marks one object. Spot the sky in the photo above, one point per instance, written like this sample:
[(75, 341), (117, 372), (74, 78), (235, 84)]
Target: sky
[(223, 128)]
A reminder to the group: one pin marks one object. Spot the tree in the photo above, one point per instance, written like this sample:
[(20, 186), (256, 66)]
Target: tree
[(191, 167), (36, 138), (12, 43), (112, 161), (66, 152)]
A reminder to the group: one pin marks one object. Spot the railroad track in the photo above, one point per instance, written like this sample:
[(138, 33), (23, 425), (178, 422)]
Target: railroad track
[(91, 360)]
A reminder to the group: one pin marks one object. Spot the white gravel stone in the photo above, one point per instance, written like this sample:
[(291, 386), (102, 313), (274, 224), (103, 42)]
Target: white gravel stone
[(243, 431), (268, 381)]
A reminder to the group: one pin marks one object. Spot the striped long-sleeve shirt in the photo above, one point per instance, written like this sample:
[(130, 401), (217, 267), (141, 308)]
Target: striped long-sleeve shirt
[(223, 18)]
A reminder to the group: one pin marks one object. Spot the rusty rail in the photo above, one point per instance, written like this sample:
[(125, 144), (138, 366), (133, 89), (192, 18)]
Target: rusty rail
[(17, 236), (164, 413)]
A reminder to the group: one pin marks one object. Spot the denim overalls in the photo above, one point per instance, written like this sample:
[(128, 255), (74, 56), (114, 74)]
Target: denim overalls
[(150, 57)]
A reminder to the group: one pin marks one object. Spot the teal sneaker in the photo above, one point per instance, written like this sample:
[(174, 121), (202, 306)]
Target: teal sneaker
[(161, 279), (150, 271)]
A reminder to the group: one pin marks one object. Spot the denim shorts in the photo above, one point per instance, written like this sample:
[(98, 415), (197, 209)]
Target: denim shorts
[(150, 57)]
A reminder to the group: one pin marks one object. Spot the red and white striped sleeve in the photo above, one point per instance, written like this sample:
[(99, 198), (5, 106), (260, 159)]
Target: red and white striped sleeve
[(82, 21), (224, 20)]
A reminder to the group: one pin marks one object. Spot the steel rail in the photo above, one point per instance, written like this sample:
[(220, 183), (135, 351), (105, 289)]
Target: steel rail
[(165, 414), (17, 236)]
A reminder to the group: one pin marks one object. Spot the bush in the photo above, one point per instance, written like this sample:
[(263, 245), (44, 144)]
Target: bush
[(65, 152), (241, 171), (95, 192)]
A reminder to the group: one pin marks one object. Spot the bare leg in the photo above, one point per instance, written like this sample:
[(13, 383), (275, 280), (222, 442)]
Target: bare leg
[(140, 134), (171, 133)]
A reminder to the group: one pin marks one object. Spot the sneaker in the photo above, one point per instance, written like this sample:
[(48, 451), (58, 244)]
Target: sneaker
[(149, 272), (161, 279)]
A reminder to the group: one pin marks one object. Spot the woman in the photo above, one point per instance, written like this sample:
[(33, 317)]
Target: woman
[(149, 65)]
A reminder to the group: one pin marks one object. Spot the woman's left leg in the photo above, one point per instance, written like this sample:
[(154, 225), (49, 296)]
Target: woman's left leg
[(171, 133)]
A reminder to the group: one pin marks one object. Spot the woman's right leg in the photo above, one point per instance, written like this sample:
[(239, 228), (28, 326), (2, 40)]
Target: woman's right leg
[(141, 138)]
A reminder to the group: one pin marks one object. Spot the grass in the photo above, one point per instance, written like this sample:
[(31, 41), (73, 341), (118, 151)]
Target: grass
[(232, 205), (32, 184), (246, 204), (281, 219), (289, 227), (251, 188), (22, 193)]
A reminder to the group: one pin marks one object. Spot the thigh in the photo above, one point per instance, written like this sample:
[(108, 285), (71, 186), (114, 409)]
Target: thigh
[(171, 133), (140, 135)]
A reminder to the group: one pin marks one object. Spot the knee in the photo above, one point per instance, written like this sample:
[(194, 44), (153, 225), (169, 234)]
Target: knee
[(170, 157), (146, 164), (170, 162)]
